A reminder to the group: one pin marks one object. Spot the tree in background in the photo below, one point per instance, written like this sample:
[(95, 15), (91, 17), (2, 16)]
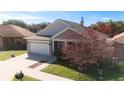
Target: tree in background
[(15, 22), (37, 27), (111, 28), (32, 27), (102, 27), (117, 27), (90, 50)]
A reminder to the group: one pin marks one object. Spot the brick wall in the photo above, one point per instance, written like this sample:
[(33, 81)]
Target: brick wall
[(120, 50)]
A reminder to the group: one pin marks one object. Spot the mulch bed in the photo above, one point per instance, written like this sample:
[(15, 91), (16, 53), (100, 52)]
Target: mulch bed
[(35, 65)]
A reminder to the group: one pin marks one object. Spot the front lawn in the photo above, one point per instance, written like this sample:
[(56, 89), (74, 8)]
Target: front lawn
[(63, 69), (58, 68), (115, 74), (26, 78), (7, 54)]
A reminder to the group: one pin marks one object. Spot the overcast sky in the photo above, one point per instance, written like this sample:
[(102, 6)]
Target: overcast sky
[(90, 17)]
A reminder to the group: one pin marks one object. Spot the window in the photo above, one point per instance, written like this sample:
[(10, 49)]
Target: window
[(70, 43)]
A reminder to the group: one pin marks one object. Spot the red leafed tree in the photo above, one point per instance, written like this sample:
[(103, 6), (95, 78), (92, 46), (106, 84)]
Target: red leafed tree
[(103, 27), (90, 49)]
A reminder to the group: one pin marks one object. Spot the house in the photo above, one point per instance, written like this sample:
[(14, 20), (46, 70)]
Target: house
[(56, 36), (11, 37), (118, 43)]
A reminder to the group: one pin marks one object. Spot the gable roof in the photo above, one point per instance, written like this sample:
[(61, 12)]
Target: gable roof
[(74, 25), (83, 29), (58, 25), (14, 31), (61, 27), (68, 34)]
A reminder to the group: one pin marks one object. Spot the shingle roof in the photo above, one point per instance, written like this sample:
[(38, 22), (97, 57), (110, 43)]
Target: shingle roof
[(74, 25), (14, 31), (65, 24), (119, 37), (34, 37), (83, 29), (68, 24)]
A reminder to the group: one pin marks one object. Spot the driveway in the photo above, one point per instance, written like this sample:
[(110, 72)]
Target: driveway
[(8, 69)]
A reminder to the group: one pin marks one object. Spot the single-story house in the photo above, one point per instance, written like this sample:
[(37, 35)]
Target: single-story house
[(118, 43), (56, 36), (11, 37)]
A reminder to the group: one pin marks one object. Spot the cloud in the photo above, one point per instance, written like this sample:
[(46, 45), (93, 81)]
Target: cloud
[(65, 15), (94, 17), (20, 16), (100, 18), (105, 18)]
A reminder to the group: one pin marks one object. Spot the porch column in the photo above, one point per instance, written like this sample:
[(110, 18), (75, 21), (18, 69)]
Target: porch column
[(53, 47), (65, 44), (28, 46)]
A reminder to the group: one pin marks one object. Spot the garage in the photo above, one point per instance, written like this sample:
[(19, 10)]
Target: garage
[(39, 47)]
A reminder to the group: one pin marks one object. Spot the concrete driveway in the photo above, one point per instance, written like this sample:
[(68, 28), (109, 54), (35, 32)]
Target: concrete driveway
[(8, 69)]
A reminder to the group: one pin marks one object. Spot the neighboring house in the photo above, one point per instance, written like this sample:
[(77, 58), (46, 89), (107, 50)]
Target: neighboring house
[(56, 36), (11, 37), (118, 43)]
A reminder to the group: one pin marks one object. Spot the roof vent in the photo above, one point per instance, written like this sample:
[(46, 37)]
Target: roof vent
[(82, 21)]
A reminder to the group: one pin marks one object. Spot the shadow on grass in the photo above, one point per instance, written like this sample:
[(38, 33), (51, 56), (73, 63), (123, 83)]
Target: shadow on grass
[(108, 73), (113, 74)]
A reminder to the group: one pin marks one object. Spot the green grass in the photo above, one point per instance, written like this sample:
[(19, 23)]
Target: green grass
[(62, 69), (26, 78), (7, 54), (115, 74)]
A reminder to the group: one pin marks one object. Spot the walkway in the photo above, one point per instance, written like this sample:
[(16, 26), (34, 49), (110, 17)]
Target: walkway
[(43, 76), (9, 67)]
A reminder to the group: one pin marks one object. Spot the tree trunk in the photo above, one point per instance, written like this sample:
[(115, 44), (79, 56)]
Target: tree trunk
[(85, 68)]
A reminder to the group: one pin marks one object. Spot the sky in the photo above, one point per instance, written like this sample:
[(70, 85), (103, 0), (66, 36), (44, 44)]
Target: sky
[(90, 17)]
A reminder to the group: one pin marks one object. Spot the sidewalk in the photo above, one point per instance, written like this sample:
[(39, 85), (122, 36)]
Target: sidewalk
[(43, 76)]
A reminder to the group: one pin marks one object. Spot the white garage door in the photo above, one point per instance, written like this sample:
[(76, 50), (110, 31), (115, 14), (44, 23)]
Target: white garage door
[(40, 47)]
